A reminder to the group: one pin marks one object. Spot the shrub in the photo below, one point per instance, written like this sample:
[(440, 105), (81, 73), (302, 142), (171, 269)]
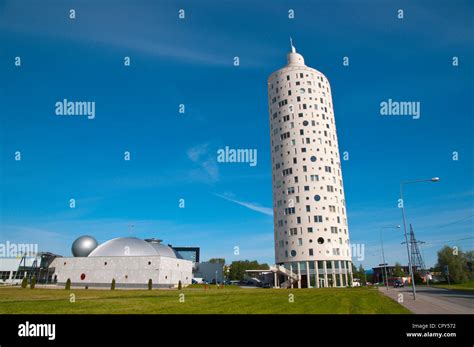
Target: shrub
[(68, 284), (418, 278), (112, 286), (33, 282), (150, 284), (24, 282), (180, 286)]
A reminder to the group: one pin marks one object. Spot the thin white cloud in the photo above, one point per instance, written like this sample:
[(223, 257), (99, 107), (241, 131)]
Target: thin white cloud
[(252, 206), (208, 168), (196, 152), (135, 29)]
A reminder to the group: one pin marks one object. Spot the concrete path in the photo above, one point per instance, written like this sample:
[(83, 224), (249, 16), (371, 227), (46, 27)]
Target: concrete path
[(433, 300)]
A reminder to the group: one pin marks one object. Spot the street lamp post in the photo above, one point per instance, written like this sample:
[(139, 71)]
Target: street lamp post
[(434, 179), (383, 253)]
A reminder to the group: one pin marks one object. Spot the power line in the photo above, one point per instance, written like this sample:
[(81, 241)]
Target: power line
[(445, 225), (465, 238), (448, 224)]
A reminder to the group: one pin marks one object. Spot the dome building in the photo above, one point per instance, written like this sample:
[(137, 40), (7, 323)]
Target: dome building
[(133, 247), (310, 221), (130, 261)]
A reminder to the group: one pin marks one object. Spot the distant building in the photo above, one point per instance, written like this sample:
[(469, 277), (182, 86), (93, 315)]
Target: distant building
[(379, 273), (188, 253), (209, 272)]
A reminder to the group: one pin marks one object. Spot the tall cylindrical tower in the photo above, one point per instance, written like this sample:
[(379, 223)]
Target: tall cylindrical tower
[(310, 220)]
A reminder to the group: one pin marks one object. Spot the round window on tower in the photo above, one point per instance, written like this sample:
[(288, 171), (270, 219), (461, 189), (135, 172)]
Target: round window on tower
[(313, 158), (293, 253), (302, 90), (317, 197), (305, 123), (320, 240)]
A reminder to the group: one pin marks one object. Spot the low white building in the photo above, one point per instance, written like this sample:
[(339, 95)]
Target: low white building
[(132, 262), (11, 269)]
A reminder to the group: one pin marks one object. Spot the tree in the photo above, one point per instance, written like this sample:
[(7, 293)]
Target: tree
[(33, 282), (456, 262), (237, 268), (112, 286), (350, 278), (150, 284), (397, 271), (68, 284), (418, 278), (369, 278), (355, 272), (362, 276), (180, 286), (469, 262), (220, 261), (24, 282)]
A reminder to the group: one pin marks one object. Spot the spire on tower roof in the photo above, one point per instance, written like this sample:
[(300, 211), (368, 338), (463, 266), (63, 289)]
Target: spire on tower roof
[(293, 57), (293, 49)]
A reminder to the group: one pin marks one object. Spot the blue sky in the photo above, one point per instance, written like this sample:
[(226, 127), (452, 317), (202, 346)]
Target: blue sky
[(173, 155)]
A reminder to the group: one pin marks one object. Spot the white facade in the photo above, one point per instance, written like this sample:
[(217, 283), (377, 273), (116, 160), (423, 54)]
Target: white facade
[(310, 221), (128, 271)]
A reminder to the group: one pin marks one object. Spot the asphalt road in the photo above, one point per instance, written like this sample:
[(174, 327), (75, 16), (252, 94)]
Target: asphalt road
[(431, 300)]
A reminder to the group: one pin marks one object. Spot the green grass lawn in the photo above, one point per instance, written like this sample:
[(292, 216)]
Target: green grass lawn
[(232, 300)]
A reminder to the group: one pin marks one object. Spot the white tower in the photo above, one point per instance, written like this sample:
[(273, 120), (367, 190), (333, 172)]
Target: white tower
[(310, 221)]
